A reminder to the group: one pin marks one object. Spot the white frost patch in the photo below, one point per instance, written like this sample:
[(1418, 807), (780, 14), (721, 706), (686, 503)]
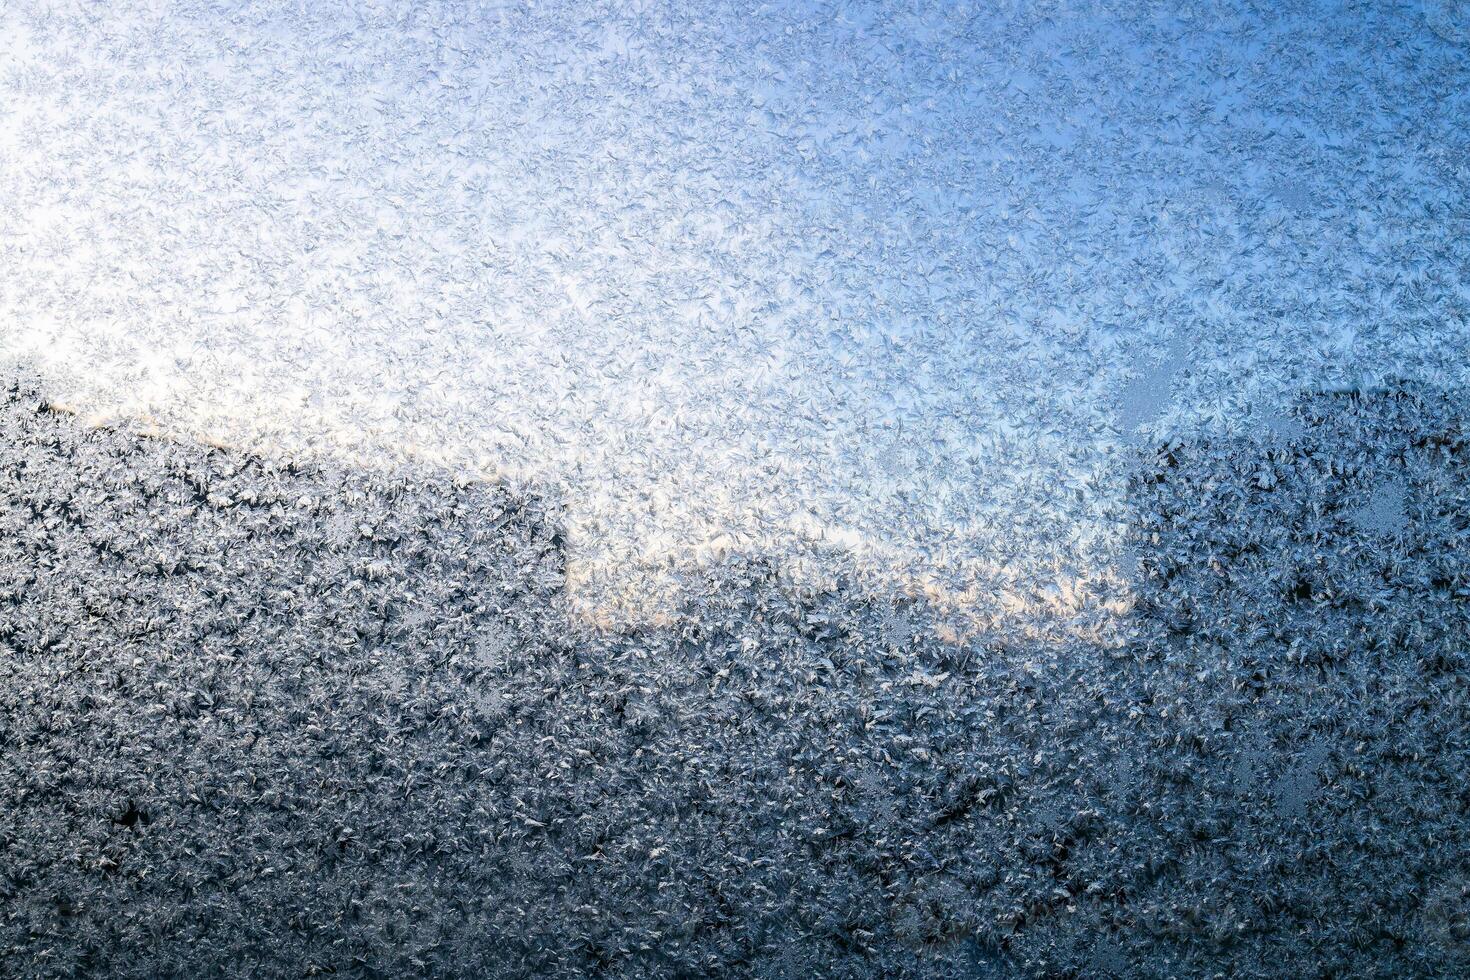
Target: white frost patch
[(1385, 511), (812, 279)]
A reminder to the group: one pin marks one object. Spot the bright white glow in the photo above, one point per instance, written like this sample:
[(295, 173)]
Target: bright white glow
[(788, 278)]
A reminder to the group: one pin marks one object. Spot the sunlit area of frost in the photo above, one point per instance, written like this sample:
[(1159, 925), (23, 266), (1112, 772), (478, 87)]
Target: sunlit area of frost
[(883, 286)]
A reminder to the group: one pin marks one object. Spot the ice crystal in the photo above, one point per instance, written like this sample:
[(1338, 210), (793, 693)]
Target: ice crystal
[(1383, 513), (649, 488), (1450, 19), (815, 277), (395, 750)]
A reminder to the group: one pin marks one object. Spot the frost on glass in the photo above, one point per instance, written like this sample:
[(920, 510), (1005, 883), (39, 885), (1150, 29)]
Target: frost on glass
[(357, 713), (832, 489), (884, 284)]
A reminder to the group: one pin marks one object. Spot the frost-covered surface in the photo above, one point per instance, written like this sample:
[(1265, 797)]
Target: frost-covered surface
[(895, 275), (832, 342), (270, 720)]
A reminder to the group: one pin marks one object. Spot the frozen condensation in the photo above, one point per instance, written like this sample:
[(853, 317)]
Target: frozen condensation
[(811, 279)]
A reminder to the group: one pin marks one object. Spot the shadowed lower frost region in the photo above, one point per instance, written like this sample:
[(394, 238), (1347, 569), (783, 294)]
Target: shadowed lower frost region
[(291, 719)]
